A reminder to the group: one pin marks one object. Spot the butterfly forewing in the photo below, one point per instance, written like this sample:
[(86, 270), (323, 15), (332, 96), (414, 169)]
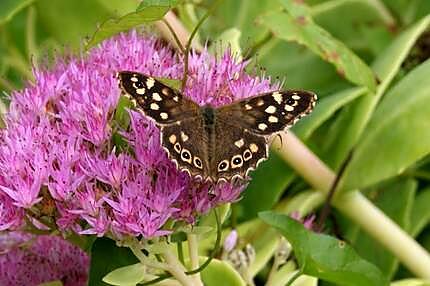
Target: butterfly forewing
[(156, 100), (271, 112)]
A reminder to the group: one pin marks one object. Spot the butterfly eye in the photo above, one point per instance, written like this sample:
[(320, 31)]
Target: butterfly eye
[(247, 155), (177, 147), (198, 162), (186, 155), (236, 161), (223, 166), (291, 102), (138, 84)]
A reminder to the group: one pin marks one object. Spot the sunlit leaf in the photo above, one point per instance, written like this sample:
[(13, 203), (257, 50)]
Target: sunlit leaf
[(146, 13), (398, 133), (296, 24), (128, 275), (106, 256), (8, 8), (324, 256)]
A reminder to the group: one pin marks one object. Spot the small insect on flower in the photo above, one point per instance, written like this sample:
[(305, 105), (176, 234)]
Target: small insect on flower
[(210, 143)]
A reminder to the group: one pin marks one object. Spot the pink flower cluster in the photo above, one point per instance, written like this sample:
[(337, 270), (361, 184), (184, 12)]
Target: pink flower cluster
[(32, 260), (60, 147)]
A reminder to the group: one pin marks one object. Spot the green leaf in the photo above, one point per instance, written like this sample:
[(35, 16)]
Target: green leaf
[(324, 256), (411, 282), (324, 109), (229, 39), (420, 216), (296, 24), (352, 121), (170, 82), (397, 135), (146, 13), (128, 275), (396, 201), (218, 271), (106, 257), (68, 22), (9, 8), (271, 178)]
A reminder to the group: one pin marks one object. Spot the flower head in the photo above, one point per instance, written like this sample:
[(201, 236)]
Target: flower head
[(62, 137), (32, 260)]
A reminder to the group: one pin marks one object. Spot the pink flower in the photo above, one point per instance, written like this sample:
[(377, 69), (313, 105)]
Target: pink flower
[(62, 137), (31, 260)]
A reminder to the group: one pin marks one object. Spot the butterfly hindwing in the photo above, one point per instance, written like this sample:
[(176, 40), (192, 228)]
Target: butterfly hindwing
[(236, 151), (270, 113), (155, 99), (187, 145)]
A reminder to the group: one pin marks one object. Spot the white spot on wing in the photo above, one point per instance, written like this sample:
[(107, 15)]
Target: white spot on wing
[(288, 107), (296, 97), (140, 91), (184, 136), (154, 106), (150, 82), (273, 119), (239, 143), (134, 79), (262, 126), (172, 138), (271, 109), (277, 97), (248, 107), (253, 147), (164, 115), (156, 97)]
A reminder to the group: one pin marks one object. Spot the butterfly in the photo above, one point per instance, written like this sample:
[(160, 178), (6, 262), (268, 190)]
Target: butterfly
[(215, 144)]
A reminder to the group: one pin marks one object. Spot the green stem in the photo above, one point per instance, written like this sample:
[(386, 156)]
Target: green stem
[(377, 224), (294, 278), (188, 46), (193, 251), (172, 31), (180, 251), (204, 265), (177, 269), (354, 205), (135, 248), (30, 35)]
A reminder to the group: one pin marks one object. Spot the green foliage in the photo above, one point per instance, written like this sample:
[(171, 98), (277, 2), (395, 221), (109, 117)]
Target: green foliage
[(351, 53), (323, 256), (106, 256), (9, 8), (398, 131), (218, 271), (296, 24), (145, 13)]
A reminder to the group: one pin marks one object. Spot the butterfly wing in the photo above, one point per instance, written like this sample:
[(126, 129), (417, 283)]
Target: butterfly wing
[(156, 100), (235, 151), (269, 113), (186, 143)]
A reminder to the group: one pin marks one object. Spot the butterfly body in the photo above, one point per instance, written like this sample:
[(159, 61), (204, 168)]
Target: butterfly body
[(215, 143)]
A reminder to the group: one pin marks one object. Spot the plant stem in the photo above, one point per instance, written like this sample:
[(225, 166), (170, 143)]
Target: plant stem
[(377, 224), (354, 205), (135, 248), (193, 250), (177, 269)]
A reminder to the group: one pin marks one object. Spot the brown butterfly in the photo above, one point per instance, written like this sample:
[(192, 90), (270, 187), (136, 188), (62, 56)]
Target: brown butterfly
[(215, 143)]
